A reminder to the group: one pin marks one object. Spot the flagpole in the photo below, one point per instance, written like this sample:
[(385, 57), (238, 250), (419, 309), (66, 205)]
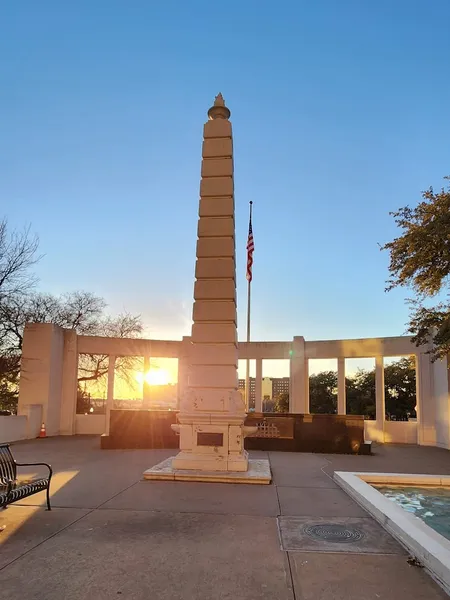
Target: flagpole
[(247, 377), (249, 291)]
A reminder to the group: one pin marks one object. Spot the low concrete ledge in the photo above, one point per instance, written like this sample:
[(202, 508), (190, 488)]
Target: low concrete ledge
[(13, 428), (428, 546), (258, 473)]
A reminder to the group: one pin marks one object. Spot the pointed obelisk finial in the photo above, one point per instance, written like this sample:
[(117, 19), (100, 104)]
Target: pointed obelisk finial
[(219, 110)]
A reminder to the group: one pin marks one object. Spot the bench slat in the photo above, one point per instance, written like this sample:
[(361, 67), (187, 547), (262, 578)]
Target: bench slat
[(8, 471)]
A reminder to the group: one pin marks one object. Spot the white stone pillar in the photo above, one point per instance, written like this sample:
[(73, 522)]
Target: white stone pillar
[(299, 383), (258, 386), (183, 368), (379, 398), (441, 401), (426, 413), (146, 387), (69, 384), (110, 391), (306, 387), (342, 408)]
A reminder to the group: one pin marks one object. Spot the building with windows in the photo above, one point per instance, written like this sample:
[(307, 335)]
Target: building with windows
[(271, 387), (280, 385), (252, 391)]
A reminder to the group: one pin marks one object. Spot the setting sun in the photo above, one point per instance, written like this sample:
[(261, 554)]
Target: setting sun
[(159, 377), (154, 377)]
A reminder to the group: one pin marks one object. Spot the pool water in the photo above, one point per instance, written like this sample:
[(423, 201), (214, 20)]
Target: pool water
[(431, 504)]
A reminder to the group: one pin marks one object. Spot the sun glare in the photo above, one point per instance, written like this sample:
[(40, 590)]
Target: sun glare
[(157, 377), (154, 377)]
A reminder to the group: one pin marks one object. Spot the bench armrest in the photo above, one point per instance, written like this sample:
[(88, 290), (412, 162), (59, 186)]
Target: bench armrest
[(50, 470)]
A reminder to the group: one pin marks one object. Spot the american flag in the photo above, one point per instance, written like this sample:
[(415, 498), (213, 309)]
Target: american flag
[(250, 250)]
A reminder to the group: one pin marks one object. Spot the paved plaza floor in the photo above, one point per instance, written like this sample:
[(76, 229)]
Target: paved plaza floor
[(112, 535)]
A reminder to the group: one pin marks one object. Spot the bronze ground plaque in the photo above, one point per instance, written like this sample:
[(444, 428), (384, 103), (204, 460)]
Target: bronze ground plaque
[(209, 439)]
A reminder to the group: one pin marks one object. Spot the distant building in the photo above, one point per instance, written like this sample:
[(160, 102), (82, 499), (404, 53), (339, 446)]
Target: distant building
[(271, 387), (252, 390), (280, 385)]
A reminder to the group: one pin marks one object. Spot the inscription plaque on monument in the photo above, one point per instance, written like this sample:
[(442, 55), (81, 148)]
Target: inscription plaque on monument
[(209, 439)]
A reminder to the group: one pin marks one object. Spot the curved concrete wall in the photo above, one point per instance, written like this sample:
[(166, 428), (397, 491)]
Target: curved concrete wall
[(49, 377)]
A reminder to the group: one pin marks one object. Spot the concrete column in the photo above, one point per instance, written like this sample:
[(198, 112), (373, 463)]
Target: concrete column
[(69, 383), (342, 408), (183, 367), (306, 387), (426, 414), (146, 387), (291, 386), (247, 389), (41, 372), (258, 386), (299, 384), (379, 398), (110, 391), (441, 401)]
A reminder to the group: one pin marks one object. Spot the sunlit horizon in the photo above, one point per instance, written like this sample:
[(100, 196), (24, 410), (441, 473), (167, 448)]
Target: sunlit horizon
[(154, 377)]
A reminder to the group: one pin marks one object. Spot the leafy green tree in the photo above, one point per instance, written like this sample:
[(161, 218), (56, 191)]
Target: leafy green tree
[(281, 404), (323, 393), (360, 394), (420, 259), (400, 389)]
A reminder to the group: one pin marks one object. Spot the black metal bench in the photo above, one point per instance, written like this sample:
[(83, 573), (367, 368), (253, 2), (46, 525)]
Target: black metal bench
[(12, 490)]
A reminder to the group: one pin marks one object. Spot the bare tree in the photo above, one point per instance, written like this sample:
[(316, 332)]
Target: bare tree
[(94, 367), (19, 304), (18, 252), (82, 311)]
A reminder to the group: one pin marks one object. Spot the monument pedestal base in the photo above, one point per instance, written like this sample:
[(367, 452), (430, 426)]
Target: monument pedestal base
[(258, 472), (210, 461)]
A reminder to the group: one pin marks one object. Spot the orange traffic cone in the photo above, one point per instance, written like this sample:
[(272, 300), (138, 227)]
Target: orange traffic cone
[(43, 433)]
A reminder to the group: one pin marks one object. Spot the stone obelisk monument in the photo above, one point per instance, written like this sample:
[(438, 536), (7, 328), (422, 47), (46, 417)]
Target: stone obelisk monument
[(212, 413)]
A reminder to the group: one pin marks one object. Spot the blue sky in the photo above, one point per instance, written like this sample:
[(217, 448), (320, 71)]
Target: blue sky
[(340, 115)]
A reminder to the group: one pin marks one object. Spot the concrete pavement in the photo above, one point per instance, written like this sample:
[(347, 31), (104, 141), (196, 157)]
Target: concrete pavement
[(112, 535)]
